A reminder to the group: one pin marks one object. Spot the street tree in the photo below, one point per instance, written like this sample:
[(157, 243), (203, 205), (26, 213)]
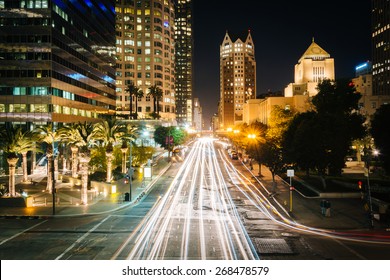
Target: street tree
[(14, 141), (47, 134), (303, 144), (254, 138), (321, 139), (108, 133), (168, 137), (81, 135), (157, 93), (136, 92)]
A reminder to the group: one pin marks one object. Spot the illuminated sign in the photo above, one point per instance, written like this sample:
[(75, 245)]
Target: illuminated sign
[(359, 67)]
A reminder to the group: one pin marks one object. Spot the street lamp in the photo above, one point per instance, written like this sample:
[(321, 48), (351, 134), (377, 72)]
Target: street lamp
[(124, 151), (253, 137), (145, 134), (53, 182), (170, 140), (368, 153), (130, 171)]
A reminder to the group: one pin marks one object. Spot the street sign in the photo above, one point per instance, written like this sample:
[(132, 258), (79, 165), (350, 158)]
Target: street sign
[(148, 172), (290, 172)]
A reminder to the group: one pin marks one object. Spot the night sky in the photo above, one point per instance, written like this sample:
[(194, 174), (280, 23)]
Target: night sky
[(281, 31)]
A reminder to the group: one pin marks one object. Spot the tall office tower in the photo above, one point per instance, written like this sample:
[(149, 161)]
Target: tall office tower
[(145, 56), (184, 65), (237, 77), (198, 115), (381, 47), (56, 60)]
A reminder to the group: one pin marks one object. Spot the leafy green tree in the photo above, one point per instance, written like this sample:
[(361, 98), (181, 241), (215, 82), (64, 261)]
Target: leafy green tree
[(336, 97), (141, 155), (253, 138), (321, 139), (381, 133), (303, 144), (337, 106), (270, 154), (278, 123), (162, 134)]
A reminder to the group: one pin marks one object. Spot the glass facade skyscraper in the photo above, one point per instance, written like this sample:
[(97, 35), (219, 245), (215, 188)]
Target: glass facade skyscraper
[(56, 60), (184, 62), (381, 47)]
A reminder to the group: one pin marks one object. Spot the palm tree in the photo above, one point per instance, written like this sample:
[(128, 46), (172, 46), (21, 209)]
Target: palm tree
[(13, 142), (139, 94), (48, 135), (133, 90), (156, 92), (110, 132), (81, 135), (69, 135), (27, 143)]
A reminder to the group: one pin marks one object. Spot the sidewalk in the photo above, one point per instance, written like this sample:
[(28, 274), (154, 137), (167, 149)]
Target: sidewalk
[(68, 198), (345, 213)]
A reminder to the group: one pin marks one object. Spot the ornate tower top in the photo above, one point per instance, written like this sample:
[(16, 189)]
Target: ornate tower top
[(315, 52)]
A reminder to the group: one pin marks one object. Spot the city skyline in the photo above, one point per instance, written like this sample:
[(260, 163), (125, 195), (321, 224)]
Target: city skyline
[(281, 34)]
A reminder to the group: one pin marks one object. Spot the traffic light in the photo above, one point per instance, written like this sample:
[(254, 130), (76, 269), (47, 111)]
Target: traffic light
[(360, 185)]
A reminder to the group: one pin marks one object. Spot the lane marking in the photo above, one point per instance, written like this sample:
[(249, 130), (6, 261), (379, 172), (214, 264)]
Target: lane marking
[(16, 235), (78, 241), (350, 250)]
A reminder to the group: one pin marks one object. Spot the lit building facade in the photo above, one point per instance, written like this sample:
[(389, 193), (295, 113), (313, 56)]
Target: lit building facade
[(57, 61), (184, 62), (260, 109), (198, 116), (381, 47), (145, 49), (368, 103), (237, 78), (314, 66)]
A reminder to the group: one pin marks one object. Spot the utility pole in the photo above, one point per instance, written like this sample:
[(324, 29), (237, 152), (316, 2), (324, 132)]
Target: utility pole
[(367, 153), (130, 172), (53, 188)]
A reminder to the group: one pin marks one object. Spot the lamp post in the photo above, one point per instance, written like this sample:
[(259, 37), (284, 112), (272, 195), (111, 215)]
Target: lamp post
[(290, 173), (124, 151), (367, 154), (168, 140), (130, 171), (53, 179), (253, 138)]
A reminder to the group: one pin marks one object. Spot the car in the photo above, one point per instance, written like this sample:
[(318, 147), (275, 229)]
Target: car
[(234, 155)]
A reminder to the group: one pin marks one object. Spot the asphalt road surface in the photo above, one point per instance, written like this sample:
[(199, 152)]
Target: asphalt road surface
[(205, 207)]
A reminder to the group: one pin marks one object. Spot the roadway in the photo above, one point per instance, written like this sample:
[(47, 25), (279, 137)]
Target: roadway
[(206, 207)]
